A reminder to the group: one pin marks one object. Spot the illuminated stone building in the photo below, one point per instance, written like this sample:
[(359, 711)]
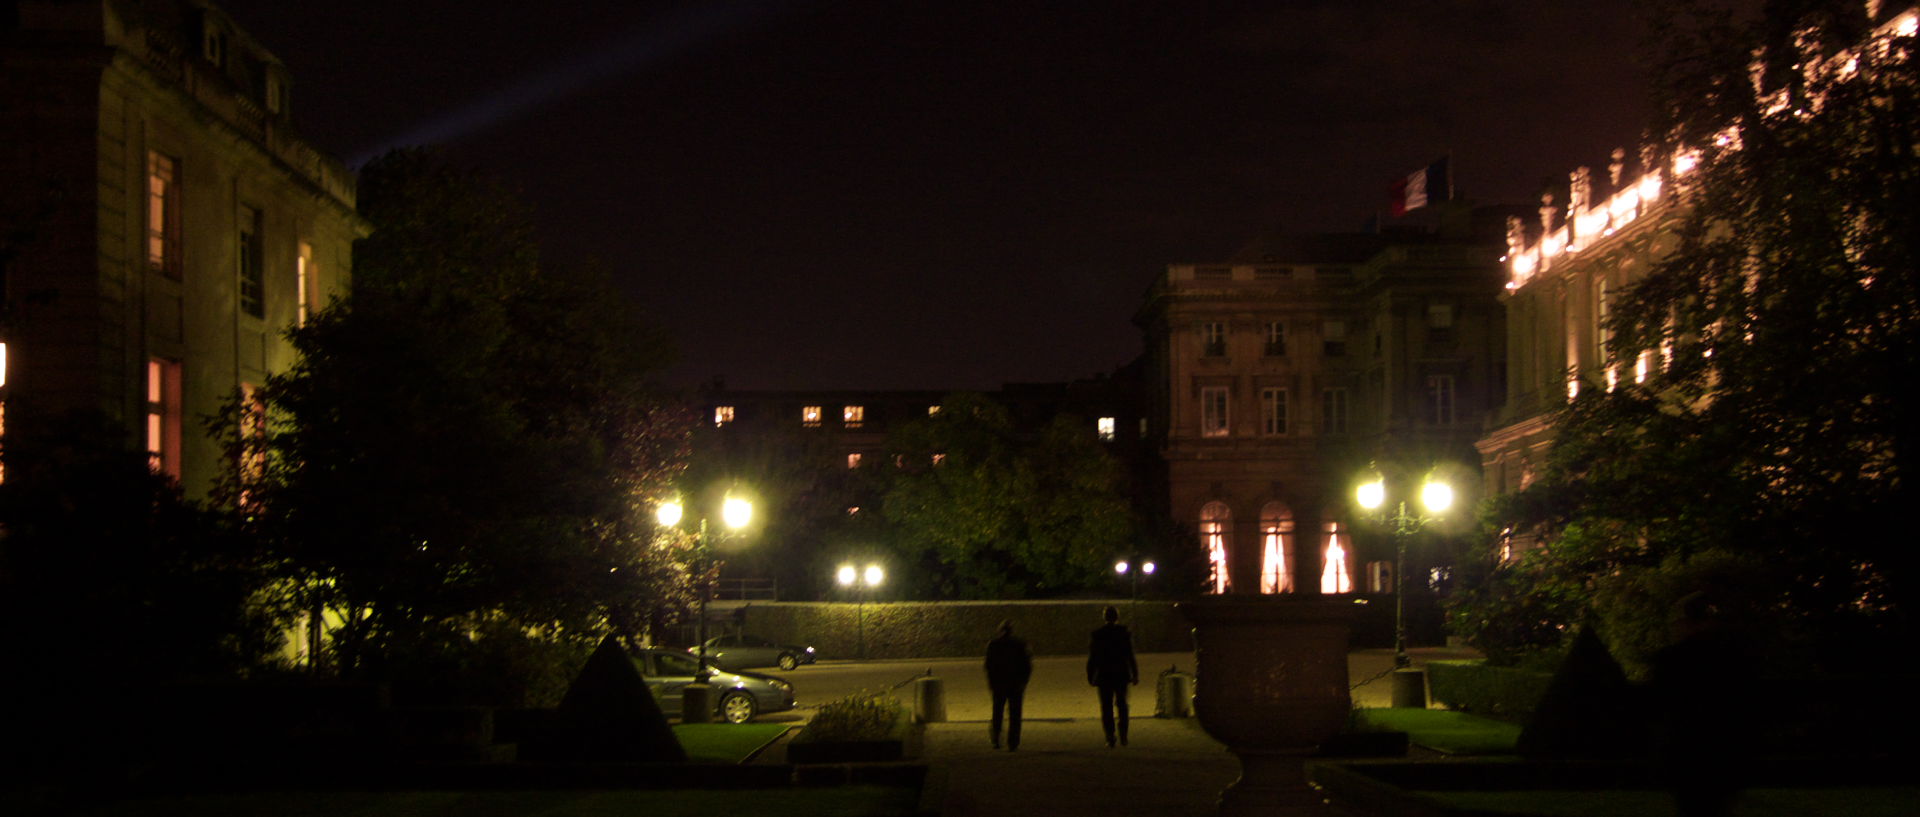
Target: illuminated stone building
[(161, 223), (1562, 270), (1277, 376), (1591, 239)]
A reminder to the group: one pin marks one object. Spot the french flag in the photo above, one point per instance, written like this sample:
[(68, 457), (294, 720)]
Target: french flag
[(1428, 184)]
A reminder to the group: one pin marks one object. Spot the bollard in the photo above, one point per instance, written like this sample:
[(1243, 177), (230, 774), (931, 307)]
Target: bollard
[(1175, 699), (1409, 688), (929, 700), (696, 703)]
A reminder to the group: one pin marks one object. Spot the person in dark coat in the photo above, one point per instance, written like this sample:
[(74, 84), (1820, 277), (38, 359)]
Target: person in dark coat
[(1009, 665), (1111, 669)]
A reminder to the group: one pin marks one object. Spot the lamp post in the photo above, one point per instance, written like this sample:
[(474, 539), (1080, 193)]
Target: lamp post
[(735, 513), (1133, 573), (860, 583), (1437, 497)]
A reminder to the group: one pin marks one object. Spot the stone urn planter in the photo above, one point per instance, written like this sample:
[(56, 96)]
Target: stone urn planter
[(1272, 686)]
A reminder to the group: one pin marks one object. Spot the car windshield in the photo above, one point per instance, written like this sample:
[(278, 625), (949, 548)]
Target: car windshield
[(671, 664)]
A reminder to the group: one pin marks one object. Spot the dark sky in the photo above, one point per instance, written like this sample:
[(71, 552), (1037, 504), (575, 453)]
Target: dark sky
[(929, 194)]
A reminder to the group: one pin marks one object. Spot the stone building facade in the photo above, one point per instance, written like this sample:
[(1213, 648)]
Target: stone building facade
[(1280, 376), (163, 221)]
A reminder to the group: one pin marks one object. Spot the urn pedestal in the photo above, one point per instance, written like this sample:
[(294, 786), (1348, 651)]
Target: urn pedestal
[(1272, 685)]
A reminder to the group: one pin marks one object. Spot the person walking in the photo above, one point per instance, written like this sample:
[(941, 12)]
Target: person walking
[(1009, 665), (1111, 669)]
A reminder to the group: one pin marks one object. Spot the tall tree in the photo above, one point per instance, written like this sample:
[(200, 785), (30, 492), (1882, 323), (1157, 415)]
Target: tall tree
[(467, 437), (985, 512), (1779, 432)]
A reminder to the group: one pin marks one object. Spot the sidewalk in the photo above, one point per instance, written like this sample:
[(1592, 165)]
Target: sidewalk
[(1064, 769), (1170, 768)]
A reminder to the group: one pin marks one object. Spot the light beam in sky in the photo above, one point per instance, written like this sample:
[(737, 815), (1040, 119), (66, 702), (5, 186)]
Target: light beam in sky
[(652, 42)]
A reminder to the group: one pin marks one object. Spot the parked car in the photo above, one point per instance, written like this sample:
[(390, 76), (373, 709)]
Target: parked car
[(738, 696), (748, 651)]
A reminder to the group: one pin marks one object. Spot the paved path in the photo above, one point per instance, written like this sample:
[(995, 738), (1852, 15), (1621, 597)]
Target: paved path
[(1064, 769)]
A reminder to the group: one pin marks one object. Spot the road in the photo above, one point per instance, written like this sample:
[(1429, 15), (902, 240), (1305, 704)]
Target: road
[(1058, 690)]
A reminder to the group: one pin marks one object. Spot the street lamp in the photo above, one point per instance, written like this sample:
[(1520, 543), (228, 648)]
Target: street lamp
[(1125, 568), (1436, 496), (860, 583), (735, 513)]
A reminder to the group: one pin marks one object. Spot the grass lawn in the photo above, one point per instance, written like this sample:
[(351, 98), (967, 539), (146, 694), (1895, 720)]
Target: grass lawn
[(1890, 801), (1456, 733), (802, 801), (725, 742)]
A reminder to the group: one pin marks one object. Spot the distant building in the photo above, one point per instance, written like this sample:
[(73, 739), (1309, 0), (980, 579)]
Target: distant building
[(1277, 376), (800, 438), (161, 223)]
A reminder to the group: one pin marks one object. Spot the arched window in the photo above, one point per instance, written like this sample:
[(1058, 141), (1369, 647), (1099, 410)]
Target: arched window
[(1276, 528), (1215, 521), (1336, 578)]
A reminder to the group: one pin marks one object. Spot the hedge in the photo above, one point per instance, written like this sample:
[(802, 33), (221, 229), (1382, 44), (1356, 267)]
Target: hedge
[(958, 629), (1473, 686)]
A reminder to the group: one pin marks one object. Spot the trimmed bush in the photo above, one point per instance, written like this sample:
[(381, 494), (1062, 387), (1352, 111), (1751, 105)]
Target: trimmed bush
[(860, 716), (959, 629), (1474, 686)]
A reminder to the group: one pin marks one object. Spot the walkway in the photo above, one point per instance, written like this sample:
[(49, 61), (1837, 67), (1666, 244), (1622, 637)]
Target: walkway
[(1064, 769)]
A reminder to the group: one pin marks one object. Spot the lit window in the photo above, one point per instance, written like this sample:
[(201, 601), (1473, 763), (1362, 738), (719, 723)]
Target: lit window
[(810, 416), (163, 416), (1276, 345), (1273, 412), (303, 271), (1215, 520), (1335, 578), (1214, 421), (853, 461), (1213, 339), (1440, 399), (853, 509), (253, 276), (1333, 411), (1104, 426), (939, 459), (1276, 527), (853, 416), (163, 214), (1333, 338), (932, 410), (722, 415)]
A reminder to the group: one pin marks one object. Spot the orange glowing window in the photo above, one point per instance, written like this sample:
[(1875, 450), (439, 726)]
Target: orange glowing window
[(853, 416), (722, 415), (1105, 428), (163, 416), (853, 460), (1276, 527), (1215, 520), (163, 214), (1336, 578), (810, 416)]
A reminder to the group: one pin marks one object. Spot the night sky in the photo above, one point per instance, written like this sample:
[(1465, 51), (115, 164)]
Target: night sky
[(912, 194)]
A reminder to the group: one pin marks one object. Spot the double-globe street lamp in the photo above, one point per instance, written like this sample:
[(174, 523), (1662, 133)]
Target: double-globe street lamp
[(860, 583), (1436, 496), (735, 513)]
